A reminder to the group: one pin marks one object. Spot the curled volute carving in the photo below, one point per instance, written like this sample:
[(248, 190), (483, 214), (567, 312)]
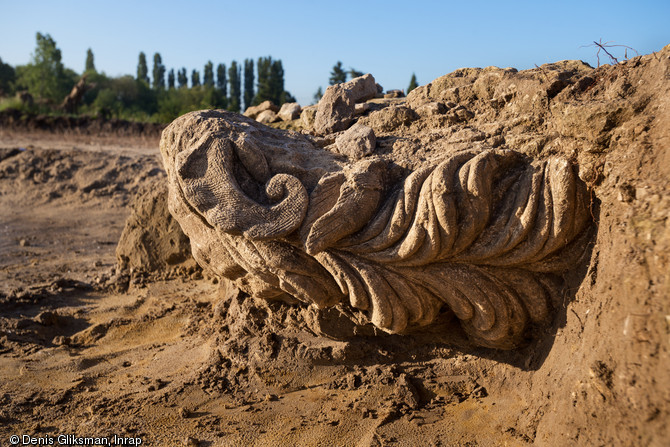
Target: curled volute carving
[(480, 233)]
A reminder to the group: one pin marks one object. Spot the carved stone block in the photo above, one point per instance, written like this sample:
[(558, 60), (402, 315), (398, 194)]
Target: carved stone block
[(479, 233)]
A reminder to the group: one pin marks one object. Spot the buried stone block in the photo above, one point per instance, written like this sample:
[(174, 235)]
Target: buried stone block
[(479, 232)]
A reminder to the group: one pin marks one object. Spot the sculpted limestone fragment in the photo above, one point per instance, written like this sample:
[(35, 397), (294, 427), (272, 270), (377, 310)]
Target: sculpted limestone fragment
[(476, 233), (337, 107)]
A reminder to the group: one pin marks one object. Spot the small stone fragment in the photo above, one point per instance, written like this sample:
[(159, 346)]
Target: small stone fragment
[(394, 94), (357, 142), (335, 110), (254, 111), (267, 116), (289, 111), (432, 109), (361, 108), (307, 116)]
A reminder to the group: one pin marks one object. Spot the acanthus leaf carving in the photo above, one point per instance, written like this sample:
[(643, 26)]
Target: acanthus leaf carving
[(479, 233)]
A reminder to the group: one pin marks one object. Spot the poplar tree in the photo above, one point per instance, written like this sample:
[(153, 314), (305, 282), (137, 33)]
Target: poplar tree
[(195, 78), (248, 82), (170, 77), (208, 80), (182, 79), (263, 92), (158, 72), (142, 70), (90, 65), (271, 82), (221, 80), (234, 74), (276, 81)]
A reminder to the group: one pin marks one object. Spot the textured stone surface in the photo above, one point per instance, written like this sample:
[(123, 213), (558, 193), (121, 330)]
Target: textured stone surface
[(478, 231), (356, 142)]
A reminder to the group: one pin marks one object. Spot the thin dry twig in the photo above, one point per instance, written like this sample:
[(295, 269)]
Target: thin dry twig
[(603, 46)]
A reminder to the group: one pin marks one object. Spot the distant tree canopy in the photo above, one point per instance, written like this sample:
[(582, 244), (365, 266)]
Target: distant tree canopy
[(7, 78), (142, 69), (143, 96), (271, 82), (234, 74), (318, 95), (353, 73), (125, 95), (158, 72), (45, 76), (338, 75), (412, 84), (90, 64)]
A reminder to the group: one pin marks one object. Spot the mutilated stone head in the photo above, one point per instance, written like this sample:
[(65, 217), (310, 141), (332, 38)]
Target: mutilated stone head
[(478, 233)]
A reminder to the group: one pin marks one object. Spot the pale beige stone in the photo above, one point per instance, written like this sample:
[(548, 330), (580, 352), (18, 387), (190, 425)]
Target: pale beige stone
[(356, 142), (336, 109), (476, 231), (267, 116), (289, 111), (254, 111)]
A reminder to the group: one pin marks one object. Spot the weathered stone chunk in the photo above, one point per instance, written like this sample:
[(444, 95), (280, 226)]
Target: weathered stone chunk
[(432, 109), (390, 118), (289, 111), (394, 94), (254, 111), (307, 116), (267, 116), (356, 142), (477, 232), (362, 88), (336, 109)]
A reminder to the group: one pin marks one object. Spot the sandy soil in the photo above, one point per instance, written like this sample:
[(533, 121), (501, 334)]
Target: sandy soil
[(87, 350), (80, 358)]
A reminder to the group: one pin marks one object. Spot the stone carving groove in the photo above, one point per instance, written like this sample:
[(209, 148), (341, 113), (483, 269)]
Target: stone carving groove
[(479, 233)]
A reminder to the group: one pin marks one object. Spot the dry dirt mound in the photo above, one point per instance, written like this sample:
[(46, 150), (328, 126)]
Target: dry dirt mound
[(152, 240)]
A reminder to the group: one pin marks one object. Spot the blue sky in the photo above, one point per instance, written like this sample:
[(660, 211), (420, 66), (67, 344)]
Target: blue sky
[(390, 39)]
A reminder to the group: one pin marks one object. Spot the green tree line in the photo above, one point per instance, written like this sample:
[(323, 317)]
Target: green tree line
[(158, 95), (155, 95)]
